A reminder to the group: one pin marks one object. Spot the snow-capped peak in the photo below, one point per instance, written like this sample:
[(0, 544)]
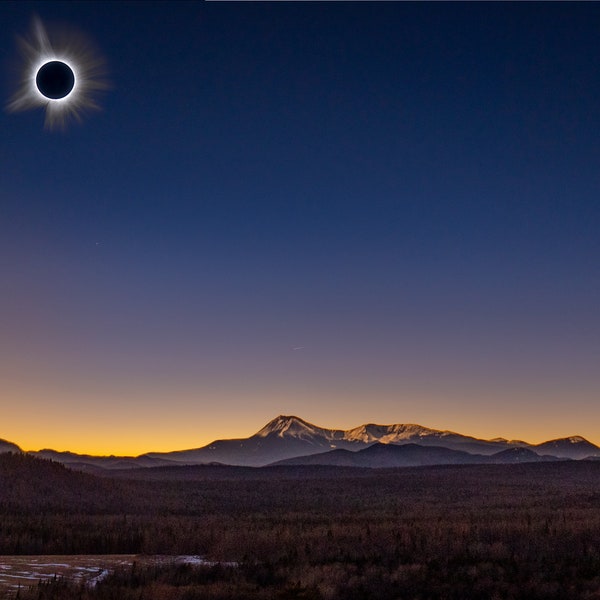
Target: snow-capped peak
[(292, 429), (574, 439), (291, 426), (387, 433)]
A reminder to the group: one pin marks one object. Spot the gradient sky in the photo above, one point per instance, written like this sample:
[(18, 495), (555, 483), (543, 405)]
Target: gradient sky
[(351, 212)]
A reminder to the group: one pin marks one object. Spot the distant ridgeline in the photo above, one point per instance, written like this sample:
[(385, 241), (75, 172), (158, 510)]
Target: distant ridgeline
[(293, 441)]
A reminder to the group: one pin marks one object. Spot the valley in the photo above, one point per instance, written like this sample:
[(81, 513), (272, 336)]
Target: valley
[(516, 531)]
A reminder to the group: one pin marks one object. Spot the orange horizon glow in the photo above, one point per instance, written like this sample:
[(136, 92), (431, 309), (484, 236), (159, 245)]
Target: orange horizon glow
[(129, 415), (166, 434)]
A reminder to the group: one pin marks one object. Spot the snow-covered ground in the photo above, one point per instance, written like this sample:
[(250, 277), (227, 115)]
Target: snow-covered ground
[(24, 571)]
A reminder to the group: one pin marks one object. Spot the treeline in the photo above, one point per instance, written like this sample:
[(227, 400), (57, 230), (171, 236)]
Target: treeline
[(33, 485), (493, 532)]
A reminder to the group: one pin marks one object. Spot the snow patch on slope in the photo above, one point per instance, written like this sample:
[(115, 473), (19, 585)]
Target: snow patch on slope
[(290, 426)]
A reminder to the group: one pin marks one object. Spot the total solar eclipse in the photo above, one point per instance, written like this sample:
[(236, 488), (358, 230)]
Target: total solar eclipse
[(55, 80), (61, 72)]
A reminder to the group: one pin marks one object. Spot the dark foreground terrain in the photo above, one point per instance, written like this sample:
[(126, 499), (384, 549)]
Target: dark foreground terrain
[(528, 531)]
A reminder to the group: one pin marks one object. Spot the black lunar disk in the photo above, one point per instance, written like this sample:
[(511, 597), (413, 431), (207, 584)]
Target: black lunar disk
[(55, 80)]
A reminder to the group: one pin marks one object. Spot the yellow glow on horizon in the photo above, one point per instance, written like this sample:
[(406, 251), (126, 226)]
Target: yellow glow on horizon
[(116, 417), (122, 440)]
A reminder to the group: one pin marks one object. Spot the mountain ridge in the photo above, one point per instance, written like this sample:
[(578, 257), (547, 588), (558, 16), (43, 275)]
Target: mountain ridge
[(380, 456), (288, 436), (6, 446)]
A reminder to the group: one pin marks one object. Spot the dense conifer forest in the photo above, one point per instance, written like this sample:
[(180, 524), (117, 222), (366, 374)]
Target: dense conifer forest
[(528, 531)]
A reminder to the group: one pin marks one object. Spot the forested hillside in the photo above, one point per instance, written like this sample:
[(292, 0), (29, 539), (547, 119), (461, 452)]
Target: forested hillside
[(502, 531)]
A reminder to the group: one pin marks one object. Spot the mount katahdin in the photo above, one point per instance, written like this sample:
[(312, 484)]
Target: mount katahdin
[(289, 437)]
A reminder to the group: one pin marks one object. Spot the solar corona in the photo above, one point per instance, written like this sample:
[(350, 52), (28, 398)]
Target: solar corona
[(61, 72)]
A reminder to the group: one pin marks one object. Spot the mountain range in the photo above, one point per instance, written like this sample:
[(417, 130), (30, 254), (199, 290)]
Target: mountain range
[(291, 440), (413, 455)]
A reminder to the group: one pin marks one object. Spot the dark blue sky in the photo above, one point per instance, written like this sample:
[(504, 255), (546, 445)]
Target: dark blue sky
[(406, 193)]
